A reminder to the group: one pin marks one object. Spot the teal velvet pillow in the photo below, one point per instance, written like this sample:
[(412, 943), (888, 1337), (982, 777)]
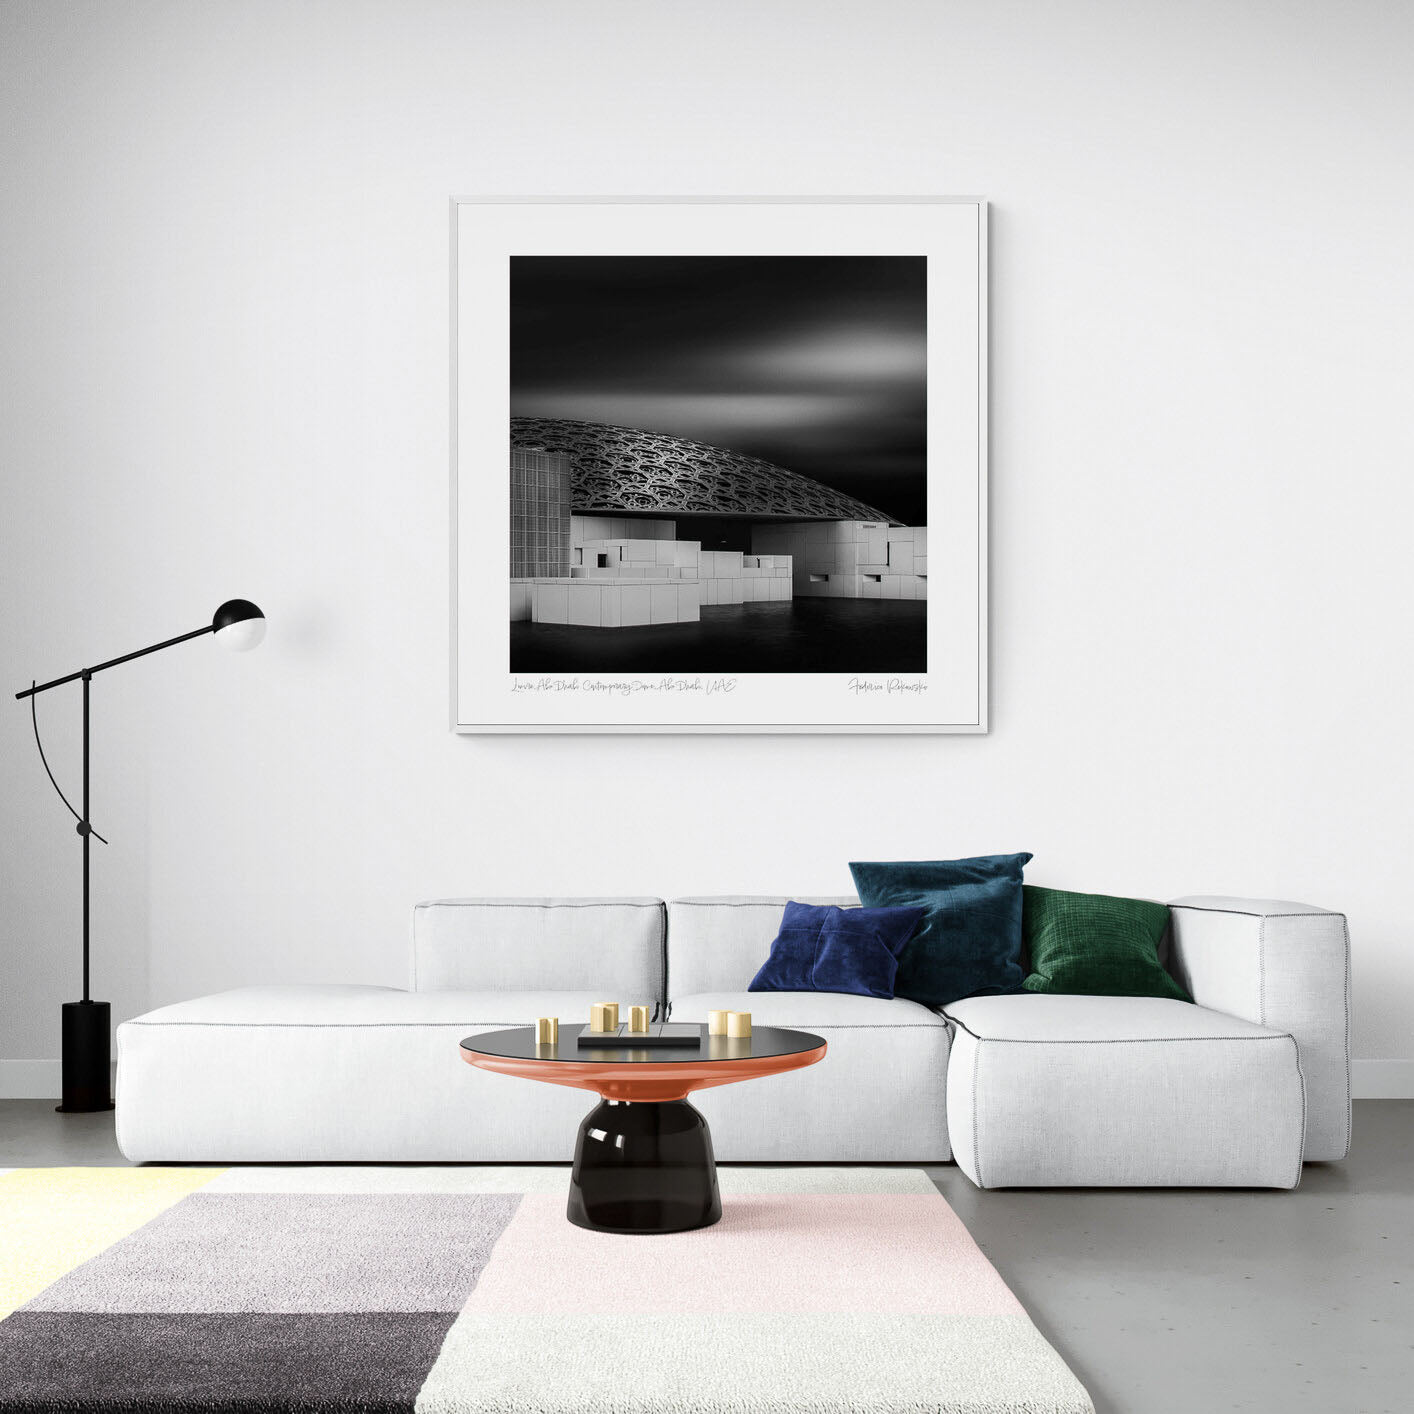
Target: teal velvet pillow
[(969, 942), (1095, 945)]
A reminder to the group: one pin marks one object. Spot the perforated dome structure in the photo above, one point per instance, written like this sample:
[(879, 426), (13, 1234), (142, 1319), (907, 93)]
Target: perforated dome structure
[(623, 469)]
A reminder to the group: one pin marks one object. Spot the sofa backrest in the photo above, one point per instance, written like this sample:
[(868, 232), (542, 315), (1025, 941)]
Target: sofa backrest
[(610, 946), (718, 944)]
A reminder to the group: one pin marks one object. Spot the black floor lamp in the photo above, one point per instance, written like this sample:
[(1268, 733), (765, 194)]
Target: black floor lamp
[(237, 624)]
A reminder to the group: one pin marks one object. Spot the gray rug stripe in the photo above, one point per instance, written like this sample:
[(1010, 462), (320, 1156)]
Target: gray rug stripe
[(294, 1252)]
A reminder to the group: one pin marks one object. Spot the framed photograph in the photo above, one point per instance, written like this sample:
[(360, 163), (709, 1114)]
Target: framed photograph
[(719, 465)]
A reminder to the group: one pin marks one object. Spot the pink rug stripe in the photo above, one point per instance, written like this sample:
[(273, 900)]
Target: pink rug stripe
[(898, 1254)]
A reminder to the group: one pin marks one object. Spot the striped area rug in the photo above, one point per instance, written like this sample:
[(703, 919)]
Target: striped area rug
[(465, 1291)]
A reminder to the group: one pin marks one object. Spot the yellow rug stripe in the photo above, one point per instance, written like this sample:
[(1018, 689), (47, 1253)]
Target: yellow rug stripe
[(51, 1220)]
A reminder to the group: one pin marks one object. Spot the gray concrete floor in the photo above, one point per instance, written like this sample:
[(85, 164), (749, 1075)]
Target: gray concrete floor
[(1163, 1301)]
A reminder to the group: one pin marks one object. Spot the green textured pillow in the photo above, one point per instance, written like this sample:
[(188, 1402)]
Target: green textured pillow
[(1094, 945)]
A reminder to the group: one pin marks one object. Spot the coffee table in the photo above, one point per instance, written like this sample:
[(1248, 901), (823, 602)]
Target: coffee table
[(643, 1161)]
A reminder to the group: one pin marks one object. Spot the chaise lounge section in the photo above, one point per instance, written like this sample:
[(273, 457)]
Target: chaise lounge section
[(1236, 1090)]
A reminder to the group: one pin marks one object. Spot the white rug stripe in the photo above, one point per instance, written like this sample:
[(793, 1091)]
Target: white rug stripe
[(731, 1364), (497, 1178)]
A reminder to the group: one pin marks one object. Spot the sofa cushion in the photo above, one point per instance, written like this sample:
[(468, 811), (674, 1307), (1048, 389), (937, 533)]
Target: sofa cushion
[(822, 948), (613, 946), (338, 1074), (1027, 1016), (719, 943), (334, 1005), (970, 942), (808, 1009), (1052, 1091), (1095, 945)]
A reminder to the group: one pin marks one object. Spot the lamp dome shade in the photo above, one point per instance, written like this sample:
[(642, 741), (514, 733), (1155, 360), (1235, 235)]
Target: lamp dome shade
[(238, 625)]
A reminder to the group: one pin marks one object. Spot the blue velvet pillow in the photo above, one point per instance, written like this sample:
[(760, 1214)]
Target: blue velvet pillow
[(969, 944), (821, 948)]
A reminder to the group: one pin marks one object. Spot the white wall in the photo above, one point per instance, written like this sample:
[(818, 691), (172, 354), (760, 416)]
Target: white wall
[(224, 330)]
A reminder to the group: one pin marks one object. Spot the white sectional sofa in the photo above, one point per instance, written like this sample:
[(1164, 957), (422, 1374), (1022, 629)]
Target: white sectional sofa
[(1024, 1090)]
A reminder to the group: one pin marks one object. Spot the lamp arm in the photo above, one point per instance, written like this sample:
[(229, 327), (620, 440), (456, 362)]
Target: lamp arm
[(113, 662)]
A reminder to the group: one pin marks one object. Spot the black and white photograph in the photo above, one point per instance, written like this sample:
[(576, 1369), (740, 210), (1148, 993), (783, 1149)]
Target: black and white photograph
[(719, 464)]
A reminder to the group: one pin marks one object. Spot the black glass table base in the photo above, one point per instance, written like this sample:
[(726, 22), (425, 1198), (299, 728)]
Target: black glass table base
[(644, 1167)]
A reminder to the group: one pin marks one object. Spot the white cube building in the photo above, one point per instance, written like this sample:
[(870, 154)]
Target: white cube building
[(850, 559), (597, 513)]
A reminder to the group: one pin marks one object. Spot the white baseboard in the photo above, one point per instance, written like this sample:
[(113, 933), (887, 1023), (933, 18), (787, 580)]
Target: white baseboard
[(1369, 1079), (1382, 1079)]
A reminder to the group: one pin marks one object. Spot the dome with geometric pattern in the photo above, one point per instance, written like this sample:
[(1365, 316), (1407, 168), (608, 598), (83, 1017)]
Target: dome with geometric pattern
[(624, 469)]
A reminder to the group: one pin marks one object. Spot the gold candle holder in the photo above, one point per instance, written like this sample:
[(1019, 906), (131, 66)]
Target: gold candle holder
[(739, 1024), (599, 1017), (638, 1018), (547, 1031), (612, 1016), (717, 1023)]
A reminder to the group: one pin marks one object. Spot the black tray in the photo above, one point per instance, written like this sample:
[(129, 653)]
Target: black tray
[(660, 1033)]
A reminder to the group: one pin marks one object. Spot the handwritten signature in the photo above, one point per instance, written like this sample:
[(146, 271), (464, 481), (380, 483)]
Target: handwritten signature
[(890, 686)]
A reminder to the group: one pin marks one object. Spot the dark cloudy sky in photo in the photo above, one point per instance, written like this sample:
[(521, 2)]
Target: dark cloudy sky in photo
[(816, 363)]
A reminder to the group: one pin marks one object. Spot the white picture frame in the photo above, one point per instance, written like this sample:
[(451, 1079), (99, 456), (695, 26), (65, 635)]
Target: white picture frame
[(489, 695)]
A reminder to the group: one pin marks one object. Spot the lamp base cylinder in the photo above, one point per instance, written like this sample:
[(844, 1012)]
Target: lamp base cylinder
[(87, 1057)]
